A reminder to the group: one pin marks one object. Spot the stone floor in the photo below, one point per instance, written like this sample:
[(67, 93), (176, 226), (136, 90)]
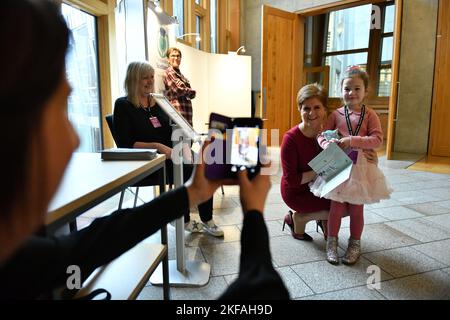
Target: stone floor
[(406, 239)]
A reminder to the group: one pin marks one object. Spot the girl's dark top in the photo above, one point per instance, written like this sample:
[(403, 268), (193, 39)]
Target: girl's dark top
[(132, 124)]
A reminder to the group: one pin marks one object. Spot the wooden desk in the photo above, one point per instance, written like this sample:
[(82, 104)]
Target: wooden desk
[(89, 181)]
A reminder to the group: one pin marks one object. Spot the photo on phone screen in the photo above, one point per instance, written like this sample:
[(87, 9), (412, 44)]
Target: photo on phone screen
[(239, 146), (244, 146)]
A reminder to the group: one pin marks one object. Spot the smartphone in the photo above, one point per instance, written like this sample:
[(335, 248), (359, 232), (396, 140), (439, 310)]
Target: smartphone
[(236, 147)]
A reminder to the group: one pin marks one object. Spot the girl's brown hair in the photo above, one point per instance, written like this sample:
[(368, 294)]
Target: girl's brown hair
[(356, 71)]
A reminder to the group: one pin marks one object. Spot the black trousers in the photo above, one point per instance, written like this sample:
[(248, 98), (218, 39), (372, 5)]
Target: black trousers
[(205, 209)]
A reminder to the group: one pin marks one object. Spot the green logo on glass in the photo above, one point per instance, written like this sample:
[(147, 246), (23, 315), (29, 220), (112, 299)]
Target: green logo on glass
[(163, 43)]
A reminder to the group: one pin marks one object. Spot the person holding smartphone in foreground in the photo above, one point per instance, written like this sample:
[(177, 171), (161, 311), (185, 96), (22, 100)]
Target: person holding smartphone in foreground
[(35, 110)]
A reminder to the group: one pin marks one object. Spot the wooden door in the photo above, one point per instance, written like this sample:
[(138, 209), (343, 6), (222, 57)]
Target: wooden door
[(282, 64), (393, 99), (440, 118)]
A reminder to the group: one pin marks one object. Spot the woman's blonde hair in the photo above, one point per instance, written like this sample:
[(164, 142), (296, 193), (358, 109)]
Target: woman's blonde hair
[(135, 72), (309, 91)]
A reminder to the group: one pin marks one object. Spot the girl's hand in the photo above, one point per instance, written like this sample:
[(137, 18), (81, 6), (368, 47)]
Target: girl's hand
[(334, 140), (344, 143)]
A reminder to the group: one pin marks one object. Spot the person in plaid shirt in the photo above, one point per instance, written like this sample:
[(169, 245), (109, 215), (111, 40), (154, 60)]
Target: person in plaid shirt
[(178, 89)]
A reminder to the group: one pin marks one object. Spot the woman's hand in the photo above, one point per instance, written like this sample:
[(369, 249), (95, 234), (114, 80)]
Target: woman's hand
[(253, 193), (163, 149), (371, 156), (308, 176)]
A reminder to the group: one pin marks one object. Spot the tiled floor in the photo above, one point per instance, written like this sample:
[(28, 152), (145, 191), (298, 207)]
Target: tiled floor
[(406, 238)]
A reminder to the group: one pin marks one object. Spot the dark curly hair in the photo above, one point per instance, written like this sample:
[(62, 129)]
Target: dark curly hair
[(34, 39)]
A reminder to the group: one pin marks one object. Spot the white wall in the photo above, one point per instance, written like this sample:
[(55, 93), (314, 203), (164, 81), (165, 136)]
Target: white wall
[(222, 83), (194, 65), (230, 85)]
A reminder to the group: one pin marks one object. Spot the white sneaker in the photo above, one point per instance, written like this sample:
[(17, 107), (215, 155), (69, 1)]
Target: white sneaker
[(193, 226), (212, 228)]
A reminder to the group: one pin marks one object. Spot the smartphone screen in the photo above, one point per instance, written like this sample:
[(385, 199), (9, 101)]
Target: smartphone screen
[(244, 146)]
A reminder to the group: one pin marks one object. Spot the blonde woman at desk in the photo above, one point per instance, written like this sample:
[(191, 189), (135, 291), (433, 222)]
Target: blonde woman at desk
[(34, 107), (141, 123)]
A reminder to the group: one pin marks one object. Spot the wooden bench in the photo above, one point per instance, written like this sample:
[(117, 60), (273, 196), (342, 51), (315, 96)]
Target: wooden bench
[(125, 277)]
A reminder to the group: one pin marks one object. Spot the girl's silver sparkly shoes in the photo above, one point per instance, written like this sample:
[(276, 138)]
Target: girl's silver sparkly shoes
[(332, 255), (353, 252)]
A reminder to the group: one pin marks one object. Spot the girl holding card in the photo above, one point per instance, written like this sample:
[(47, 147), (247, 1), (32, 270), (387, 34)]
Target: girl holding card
[(360, 129)]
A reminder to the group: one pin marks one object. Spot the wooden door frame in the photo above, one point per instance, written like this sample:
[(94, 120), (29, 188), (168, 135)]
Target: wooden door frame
[(395, 83), (338, 5), (395, 56)]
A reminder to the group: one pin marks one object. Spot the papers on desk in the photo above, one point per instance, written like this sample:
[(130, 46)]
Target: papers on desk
[(128, 154), (333, 166)]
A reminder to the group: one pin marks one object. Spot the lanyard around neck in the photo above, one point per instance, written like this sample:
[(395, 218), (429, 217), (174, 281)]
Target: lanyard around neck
[(349, 124)]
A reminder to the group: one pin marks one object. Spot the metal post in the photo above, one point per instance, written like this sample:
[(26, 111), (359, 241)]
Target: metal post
[(182, 273)]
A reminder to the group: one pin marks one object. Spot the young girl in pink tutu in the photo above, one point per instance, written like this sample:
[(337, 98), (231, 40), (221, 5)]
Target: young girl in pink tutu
[(360, 129)]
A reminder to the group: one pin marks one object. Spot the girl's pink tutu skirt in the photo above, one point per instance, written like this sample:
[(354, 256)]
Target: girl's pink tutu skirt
[(366, 185)]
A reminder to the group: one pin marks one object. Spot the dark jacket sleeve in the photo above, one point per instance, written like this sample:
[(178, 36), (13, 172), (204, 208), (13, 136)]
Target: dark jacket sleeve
[(122, 124), (257, 278), (41, 264)]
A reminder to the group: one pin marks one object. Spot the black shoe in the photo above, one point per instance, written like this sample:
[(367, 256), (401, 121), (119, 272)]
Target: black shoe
[(321, 225), (288, 220)]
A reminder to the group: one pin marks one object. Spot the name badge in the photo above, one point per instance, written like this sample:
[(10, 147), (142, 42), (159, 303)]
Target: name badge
[(155, 122)]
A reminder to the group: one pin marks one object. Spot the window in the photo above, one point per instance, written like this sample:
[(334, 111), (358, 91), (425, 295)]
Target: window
[(202, 17), (130, 37), (198, 29), (385, 63), (201, 24), (82, 73), (349, 29), (351, 37), (347, 42), (178, 12), (213, 19)]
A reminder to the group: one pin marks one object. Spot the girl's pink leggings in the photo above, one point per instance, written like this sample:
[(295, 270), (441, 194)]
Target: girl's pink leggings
[(356, 213)]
